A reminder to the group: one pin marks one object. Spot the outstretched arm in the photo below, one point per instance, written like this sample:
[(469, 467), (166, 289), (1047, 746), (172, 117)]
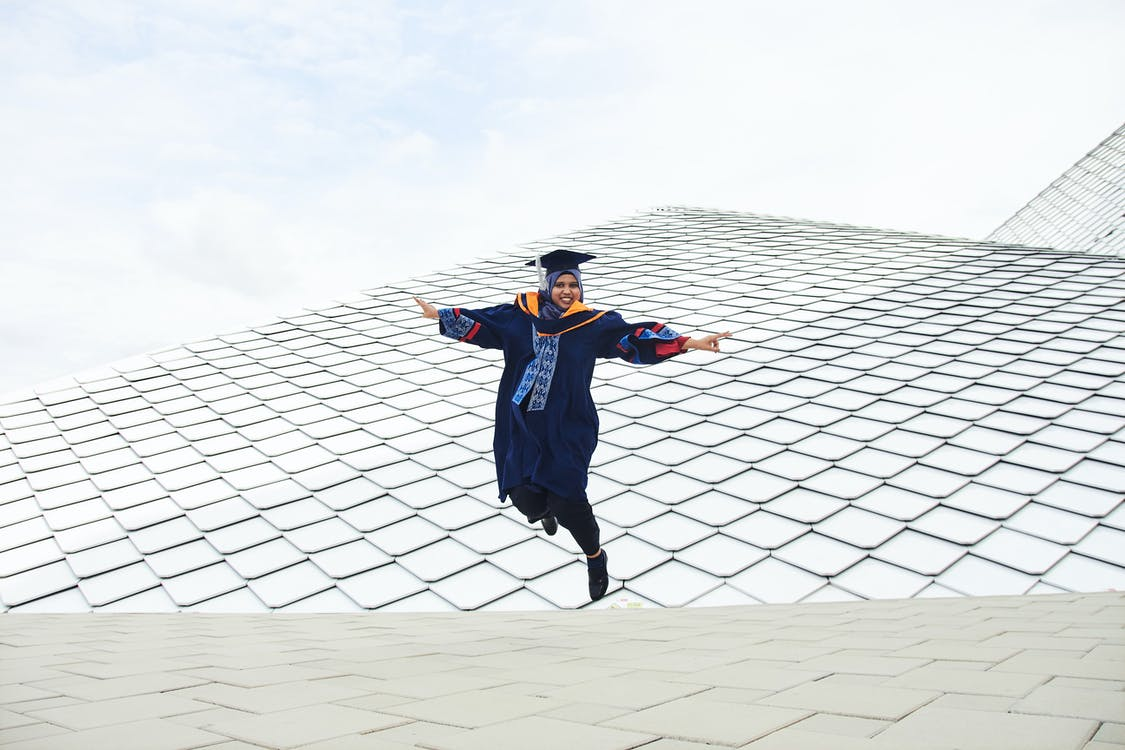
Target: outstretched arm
[(708, 343), (480, 327), (648, 343)]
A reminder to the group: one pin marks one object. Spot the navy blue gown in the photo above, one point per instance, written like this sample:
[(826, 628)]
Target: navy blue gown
[(546, 423)]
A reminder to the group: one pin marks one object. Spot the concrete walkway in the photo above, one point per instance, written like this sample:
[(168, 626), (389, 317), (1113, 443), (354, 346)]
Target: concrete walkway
[(990, 673)]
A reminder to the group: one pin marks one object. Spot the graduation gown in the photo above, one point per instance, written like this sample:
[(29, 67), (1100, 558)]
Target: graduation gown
[(546, 424)]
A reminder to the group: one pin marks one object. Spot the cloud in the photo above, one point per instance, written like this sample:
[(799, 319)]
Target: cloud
[(171, 169)]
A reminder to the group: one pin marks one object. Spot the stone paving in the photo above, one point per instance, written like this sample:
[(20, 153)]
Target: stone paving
[(990, 673)]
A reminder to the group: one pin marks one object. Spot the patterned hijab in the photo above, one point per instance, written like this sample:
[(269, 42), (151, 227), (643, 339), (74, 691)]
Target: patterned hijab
[(548, 310)]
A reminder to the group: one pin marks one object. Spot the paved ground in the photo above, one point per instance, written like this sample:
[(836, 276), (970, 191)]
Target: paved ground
[(990, 673)]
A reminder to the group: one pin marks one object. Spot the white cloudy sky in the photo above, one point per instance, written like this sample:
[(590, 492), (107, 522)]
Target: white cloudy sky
[(172, 169)]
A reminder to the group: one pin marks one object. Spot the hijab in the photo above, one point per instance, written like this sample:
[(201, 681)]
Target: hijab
[(548, 310)]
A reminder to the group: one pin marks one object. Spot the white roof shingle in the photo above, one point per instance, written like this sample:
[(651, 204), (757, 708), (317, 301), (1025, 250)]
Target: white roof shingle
[(896, 414)]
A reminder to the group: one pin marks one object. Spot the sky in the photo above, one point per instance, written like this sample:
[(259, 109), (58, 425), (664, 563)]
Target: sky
[(170, 170)]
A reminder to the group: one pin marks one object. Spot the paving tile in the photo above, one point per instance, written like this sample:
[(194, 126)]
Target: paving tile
[(977, 702), (793, 737), (857, 661), (1107, 651), (841, 726), (372, 741), (700, 720), (934, 727), (205, 718), (1111, 733), (736, 696), (433, 686), (301, 726), (12, 719), (137, 735), (409, 734), (873, 702), (248, 676), (959, 650), (278, 697), (117, 711), (94, 689), (625, 692), (16, 693), (1046, 641), (1078, 703), (471, 710), (540, 732), (35, 731), (586, 713), (1028, 662), (936, 676), (666, 744), (757, 674)]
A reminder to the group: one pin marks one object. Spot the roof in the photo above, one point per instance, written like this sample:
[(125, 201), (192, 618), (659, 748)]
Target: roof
[(898, 415), (1082, 210)]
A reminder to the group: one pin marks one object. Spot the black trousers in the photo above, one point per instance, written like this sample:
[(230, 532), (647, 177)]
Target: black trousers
[(573, 513)]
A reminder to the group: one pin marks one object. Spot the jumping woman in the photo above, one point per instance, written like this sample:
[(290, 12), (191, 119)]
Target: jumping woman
[(546, 424)]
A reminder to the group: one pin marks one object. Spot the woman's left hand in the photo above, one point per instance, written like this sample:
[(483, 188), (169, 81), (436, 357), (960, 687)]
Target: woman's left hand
[(707, 343)]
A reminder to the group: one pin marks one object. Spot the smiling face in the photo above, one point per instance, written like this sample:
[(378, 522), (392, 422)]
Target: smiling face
[(566, 291)]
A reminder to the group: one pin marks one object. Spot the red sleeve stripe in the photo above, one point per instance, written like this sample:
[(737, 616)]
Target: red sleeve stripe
[(656, 328), (670, 348), (472, 332), (457, 312)]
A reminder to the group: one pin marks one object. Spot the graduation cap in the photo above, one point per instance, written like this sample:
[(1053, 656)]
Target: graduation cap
[(558, 260)]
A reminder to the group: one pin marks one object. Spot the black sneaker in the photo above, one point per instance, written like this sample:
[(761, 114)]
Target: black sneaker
[(550, 525), (597, 570)]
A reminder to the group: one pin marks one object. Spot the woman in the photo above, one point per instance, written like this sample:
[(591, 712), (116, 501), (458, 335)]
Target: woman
[(546, 424)]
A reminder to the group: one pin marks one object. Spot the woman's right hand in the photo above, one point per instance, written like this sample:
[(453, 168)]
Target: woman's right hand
[(428, 310)]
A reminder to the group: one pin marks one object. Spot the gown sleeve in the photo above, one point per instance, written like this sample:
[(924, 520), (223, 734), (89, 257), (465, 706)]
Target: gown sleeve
[(639, 343), (480, 327)]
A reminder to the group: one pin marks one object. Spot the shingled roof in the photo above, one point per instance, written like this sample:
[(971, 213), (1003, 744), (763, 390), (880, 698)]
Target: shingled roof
[(1083, 209), (898, 415)]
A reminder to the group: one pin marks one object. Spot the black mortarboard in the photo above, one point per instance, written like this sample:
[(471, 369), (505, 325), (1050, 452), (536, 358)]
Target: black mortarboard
[(561, 260)]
